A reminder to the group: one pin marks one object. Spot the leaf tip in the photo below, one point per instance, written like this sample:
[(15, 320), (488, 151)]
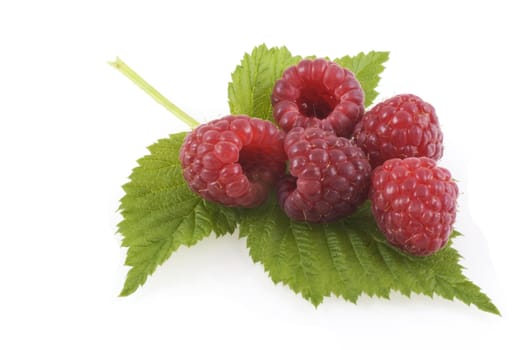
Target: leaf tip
[(491, 308), (128, 289), (315, 301), (125, 293)]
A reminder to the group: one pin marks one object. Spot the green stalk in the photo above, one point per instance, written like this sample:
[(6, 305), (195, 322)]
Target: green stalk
[(151, 91)]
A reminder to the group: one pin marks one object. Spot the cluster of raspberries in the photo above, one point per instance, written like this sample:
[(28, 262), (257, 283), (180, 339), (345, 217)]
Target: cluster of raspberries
[(329, 155)]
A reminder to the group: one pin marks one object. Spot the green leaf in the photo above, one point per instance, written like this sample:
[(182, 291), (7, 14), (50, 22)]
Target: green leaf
[(348, 258), (160, 213), (367, 68), (253, 80)]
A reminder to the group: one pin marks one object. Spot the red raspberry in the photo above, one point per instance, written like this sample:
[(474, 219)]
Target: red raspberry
[(400, 127), (414, 203), (234, 160), (330, 176), (318, 93)]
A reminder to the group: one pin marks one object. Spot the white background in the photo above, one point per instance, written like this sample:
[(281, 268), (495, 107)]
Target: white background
[(71, 129)]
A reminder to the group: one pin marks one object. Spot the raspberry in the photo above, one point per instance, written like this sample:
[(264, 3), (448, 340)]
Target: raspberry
[(414, 203), (400, 127), (318, 93), (234, 160), (330, 176)]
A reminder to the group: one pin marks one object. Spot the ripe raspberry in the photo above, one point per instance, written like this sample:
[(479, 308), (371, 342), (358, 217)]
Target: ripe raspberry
[(330, 176), (400, 127), (414, 203), (318, 93), (234, 160)]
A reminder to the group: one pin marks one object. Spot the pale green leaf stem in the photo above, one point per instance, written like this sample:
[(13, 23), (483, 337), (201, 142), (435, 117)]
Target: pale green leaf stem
[(123, 68)]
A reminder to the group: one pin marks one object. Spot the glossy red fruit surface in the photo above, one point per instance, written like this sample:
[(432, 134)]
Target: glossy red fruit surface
[(234, 160), (318, 93), (414, 204), (400, 127), (330, 176)]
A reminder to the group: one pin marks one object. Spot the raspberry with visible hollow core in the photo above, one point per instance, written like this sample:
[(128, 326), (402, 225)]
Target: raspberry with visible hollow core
[(400, 127), (318, 93), (234, 160), (330, 176), (414, 203)]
